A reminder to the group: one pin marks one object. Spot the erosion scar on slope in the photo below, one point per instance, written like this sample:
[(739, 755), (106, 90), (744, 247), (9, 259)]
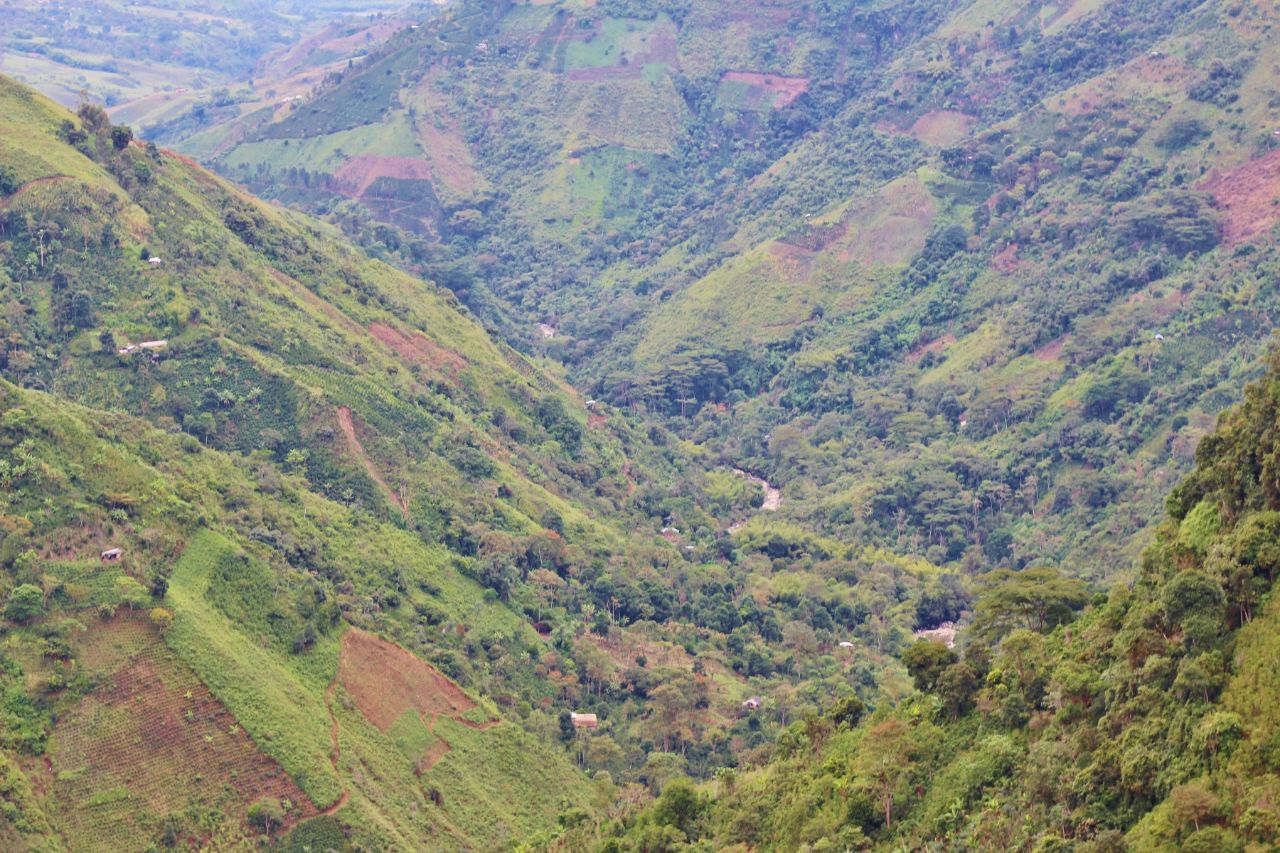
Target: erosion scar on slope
[(335, 751), (353, 444)]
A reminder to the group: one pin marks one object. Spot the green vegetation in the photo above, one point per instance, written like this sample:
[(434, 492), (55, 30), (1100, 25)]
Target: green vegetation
[(333, 442), (948, 286), (160, 60), (793, 388), (1143, 724)]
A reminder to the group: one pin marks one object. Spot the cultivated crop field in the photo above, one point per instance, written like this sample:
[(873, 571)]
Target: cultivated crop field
[(151, 749)]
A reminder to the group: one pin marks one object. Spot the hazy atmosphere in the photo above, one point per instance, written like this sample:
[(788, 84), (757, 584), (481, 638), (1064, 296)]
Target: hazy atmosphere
[(639, 426)]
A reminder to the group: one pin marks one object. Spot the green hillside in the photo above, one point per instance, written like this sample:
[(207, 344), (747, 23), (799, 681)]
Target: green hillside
[(692, 366), (351, 451), (543, 551), (169, 693), (964, 280), (1148, 723)]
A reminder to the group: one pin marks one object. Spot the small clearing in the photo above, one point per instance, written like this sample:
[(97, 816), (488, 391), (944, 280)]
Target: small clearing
[(779, 91), (1248, 194), (152, 740), (889, 226), (944, 633), (385, 681), (347, 424), (390, 684), (358, 173), (1052, 350), (942, 127), (417, 349), (1006, 260), (442, 138)]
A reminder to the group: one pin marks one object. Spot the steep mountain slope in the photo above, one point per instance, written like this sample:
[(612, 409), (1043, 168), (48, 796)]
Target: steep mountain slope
[(578, 561), (277, 340), (347, 468), (1148, 724), (959, 281), (966, 281), (218, 704)]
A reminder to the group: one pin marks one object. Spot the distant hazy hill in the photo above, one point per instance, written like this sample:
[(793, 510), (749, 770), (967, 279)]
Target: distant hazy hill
[(165, 57)]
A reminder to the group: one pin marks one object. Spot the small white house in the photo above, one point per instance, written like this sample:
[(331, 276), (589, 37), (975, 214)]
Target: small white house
[(154, 261), (583, 721)]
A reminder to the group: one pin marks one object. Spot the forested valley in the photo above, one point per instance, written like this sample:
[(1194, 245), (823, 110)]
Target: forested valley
[(639, 425)]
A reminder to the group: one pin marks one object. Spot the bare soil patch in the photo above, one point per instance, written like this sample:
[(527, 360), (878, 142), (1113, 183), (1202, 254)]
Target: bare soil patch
[(385, 681), (1250, 197), (442, 139), (152, 740), (417, 349), (888, 227), (1052, 350), (942, 127), (1006, 260), (358, 173)]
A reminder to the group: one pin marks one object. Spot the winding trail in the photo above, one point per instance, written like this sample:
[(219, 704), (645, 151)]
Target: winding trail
[(335, 751), (347, 424)]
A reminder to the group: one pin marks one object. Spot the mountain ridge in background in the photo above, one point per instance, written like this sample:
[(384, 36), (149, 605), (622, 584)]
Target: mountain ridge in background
[(972, 255), (619, 401)]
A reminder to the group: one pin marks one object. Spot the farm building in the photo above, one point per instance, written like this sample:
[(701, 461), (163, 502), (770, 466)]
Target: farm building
[(584, 721), (145, 345), (155, 262), (111, 555), (753, 703)]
